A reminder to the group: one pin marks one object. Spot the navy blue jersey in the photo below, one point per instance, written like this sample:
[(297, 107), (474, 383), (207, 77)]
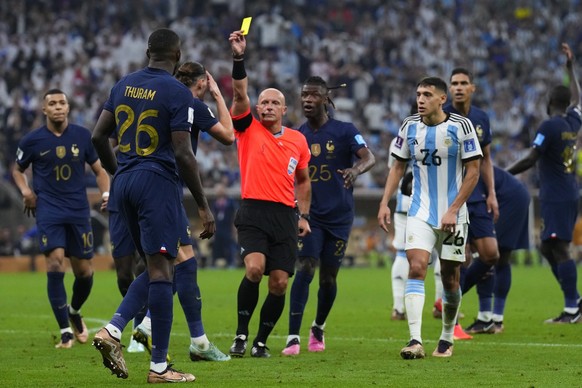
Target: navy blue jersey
[(556, 142), (58, 171), (333, 147), (480, 121), (204, 119), (144, 103), (512, 226)]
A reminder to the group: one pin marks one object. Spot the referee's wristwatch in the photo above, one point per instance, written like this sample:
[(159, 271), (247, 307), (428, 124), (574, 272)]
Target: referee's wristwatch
[(305, 216)]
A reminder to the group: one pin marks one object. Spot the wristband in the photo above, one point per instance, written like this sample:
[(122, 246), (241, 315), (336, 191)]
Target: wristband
[(238, 69), (105, 195)]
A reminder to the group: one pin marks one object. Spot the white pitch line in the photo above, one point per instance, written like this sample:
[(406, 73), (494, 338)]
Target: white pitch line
[(102, 322)]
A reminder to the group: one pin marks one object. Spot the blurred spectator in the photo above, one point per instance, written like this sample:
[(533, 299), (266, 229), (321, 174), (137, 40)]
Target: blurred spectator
[(6, 242), (224, 241), (377, 48)]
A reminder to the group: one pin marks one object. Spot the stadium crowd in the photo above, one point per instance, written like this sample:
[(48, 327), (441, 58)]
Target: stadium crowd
[(379, 49)]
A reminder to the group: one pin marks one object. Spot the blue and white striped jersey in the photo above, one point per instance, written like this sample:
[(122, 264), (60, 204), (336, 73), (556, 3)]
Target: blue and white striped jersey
[(437, 154), (402, 201)]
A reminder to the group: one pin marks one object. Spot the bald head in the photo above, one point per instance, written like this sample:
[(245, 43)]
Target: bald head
[(271, 109), (272, 93)]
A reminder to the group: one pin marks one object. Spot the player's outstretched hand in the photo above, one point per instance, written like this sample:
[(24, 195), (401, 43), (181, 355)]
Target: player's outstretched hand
[(568, 52)]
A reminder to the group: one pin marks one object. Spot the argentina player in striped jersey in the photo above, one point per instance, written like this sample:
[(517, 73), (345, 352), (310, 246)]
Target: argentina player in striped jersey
[(445, 154)]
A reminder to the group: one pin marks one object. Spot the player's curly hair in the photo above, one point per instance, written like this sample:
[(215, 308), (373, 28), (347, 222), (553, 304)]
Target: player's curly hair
[(190, 72)]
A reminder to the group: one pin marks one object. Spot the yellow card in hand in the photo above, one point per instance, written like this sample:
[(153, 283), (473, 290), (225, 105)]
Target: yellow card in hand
[(246, 24)]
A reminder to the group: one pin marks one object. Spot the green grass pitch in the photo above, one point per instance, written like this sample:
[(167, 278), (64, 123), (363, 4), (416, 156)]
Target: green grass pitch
[(363, 344)]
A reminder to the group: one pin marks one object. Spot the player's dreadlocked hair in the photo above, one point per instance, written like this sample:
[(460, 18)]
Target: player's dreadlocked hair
[(189, 72), (318, 81)]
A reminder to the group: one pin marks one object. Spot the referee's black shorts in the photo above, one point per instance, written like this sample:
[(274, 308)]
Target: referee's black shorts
[(269, 228)]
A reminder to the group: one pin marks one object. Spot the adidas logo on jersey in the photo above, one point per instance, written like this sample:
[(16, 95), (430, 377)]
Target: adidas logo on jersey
[(458, 252)]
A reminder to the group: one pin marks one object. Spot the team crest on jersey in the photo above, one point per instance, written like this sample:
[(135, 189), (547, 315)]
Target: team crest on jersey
[(469, 145), (448, 141), (330, 147), (292, 165), (316, 149), (479, 131), (61, 152), (410, 238), (75, 151)]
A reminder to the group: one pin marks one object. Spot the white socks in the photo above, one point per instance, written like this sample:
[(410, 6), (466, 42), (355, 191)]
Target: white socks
[(399, 274), (414, 301)]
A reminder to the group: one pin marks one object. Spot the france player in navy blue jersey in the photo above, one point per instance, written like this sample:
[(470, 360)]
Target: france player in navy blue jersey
[(151, 114), (482, 204), (512, 229), (199, 81), (554, 149), (58, 152), (338, 155)]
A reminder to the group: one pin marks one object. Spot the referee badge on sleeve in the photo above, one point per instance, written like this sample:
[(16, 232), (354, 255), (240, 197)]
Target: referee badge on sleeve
[(291, 166)]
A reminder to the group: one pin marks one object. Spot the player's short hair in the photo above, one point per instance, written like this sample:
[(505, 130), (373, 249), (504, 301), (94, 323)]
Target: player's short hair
[(52, 91), (162, 41), (190, 72), (462, 70), (560, 97), (438, 83)]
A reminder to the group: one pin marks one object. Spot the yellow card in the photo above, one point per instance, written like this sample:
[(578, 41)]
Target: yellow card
[(246, 24)]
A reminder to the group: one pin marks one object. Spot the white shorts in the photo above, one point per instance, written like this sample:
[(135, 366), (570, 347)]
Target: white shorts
[(449, 246), (399, 240)]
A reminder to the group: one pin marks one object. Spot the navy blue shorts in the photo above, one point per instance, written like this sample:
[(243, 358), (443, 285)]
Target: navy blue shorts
[(75, 238), (323, 245), (119, 236), (271, 229), (480, 221), (512, 226), (150, 204), (558, 219)]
